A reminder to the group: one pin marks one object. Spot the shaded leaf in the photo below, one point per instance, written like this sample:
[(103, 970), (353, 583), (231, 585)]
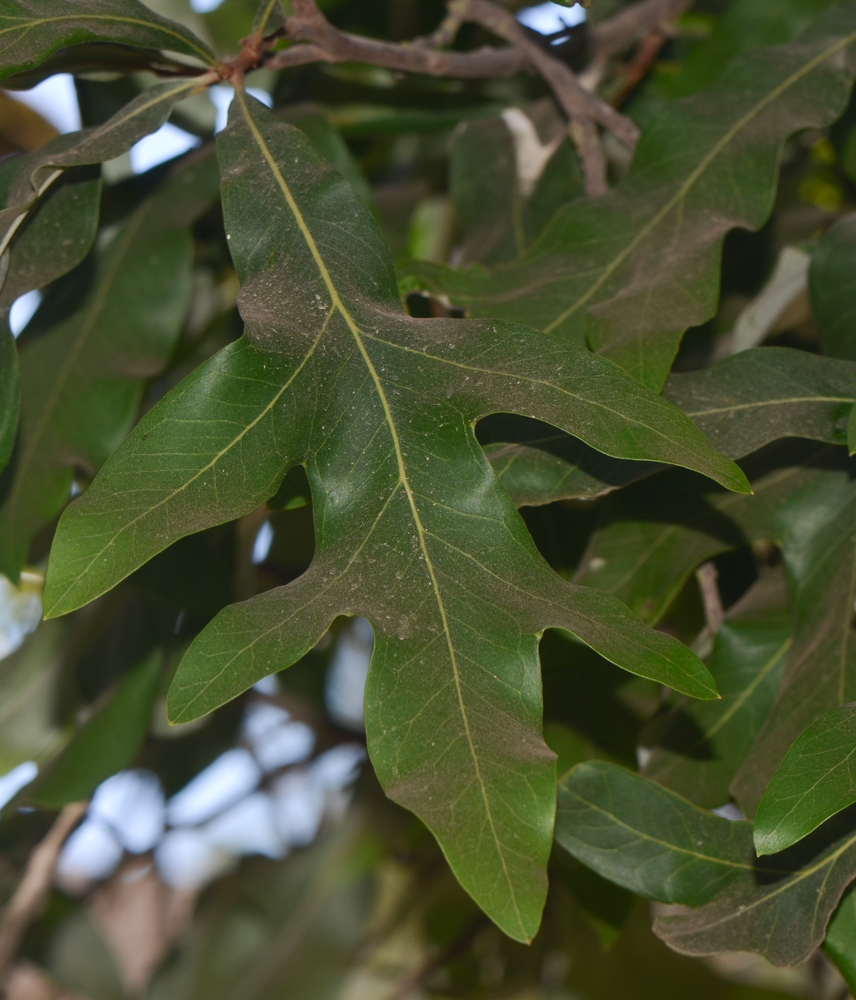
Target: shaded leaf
[(699, 746), (815, 781), (652, 535), (780, 908), (89, 349), (840, 942), (33, 30), (107, 743), (629, 272), (832, 283), (816, 529), (412, 530), (538, 464), (648, 839), (764, 394)]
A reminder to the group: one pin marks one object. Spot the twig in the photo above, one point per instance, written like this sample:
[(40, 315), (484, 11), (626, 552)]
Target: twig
[(436, 960), (714, 614), (26, 905), (633, 24), (644, 59)]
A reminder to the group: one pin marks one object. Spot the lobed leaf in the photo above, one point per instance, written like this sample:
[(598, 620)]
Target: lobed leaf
[(88, 351), (33, 30), (815, 781), (764, 394), (629, 272), (412, 530)]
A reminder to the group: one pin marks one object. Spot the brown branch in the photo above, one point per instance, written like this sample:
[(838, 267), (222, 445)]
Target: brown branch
[(642, 62), (30, 896), (633, 24), (714, 614)]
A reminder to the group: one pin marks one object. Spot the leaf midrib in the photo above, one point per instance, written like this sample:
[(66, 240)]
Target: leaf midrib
[(27, 25), (402, 473), (696, 174)]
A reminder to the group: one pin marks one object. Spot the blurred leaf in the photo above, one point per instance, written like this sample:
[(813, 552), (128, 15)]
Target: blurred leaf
[(699, 746), (107, 743), (767, 393), (10, 394), (840, 943), (833, 288), (90, 347), (814, 782), (33, 30), (435, 746), (21, 127), (629, 272), (648, 839)]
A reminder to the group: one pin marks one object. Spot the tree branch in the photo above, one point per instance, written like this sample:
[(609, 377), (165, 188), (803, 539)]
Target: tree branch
[(633, 24), (26, 905)]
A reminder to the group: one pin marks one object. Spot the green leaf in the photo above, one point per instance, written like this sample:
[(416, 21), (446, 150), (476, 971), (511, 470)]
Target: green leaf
[(108, 742), (648, 839), (630, 271), (814, 782), (532, 173), (32, 30), (816, 529), (840, 942), (780, 907), (90, 347), (700, 746), (538, 464), (764, 394), (39, 171), (832, 286), (412, 529), (652, 535), (10, 394)]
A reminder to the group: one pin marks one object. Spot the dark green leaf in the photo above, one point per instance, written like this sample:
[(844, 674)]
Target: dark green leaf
[(816, 528), (533, 172), (32, 30), (87, 355), (108, 742), (629, 272), (412, 529), (832, 283), (700, 746), (767, 393), (538, 464), (648, 839), (840, 943), (816, 780), (10, 393), (780, 907)]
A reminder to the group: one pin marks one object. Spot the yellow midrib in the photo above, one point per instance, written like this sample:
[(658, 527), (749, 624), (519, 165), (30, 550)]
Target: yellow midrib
[(684, 189), (402, 471)]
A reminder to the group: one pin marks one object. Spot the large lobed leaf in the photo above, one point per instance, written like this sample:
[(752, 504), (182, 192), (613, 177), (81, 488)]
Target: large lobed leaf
[(412, 529), (629, 272), (32, 30), (89, 349)]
